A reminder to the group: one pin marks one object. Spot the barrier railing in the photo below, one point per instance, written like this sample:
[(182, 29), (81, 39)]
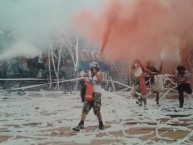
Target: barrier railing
[(114, 80)]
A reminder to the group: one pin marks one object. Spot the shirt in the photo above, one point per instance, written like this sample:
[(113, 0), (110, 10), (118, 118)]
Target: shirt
[(182, 79), (96, 84)]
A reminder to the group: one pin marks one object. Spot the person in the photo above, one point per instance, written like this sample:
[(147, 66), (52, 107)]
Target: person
[(154, 85), (96, 77), (83, 85), (182, 78), (138, 72)]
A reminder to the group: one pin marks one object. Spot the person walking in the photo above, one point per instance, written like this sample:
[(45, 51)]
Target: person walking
[(183, 85), (139, 88), (96, 78)]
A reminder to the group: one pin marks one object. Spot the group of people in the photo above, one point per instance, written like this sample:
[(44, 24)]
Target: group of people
[(139, 88), (140, 74)]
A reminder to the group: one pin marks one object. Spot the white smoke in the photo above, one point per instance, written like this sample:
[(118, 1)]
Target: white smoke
[(37, 21), (20, 49)]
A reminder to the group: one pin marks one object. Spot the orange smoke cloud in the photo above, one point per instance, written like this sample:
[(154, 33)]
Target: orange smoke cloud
[(143, 29)]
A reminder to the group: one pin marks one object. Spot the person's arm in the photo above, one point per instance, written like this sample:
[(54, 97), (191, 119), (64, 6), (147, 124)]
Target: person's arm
[(160, 69), (98, 75), (146, 70), (187, 74), (85, 77), (155, 72)]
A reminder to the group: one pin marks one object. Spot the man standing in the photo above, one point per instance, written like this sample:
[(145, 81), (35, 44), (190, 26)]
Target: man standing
[(96, 78)]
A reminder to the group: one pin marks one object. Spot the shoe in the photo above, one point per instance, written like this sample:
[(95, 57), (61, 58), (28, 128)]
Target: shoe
[(139, 103), (157, 105), (145, 107), (78, 128), (101, 127), (181, 109)]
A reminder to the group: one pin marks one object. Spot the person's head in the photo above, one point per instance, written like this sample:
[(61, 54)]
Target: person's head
[(149, 63), (94, 66), (136, 63), (181, 69)]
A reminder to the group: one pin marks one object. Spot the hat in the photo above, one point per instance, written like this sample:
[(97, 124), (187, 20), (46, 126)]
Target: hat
[(94, 65)]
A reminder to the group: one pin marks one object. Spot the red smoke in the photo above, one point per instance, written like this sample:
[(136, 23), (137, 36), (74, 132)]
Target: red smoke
[(142, 29)]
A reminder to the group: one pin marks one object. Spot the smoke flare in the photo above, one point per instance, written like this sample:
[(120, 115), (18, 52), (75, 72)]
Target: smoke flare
[(143, 29)]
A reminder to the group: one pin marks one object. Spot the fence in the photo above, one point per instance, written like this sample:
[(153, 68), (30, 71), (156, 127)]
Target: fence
[(67, 80), (55, 80)]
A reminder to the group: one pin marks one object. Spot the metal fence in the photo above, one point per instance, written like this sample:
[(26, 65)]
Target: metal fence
[(56, 80)]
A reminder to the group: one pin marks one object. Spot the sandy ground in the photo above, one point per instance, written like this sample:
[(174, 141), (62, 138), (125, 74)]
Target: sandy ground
[(46, 118)]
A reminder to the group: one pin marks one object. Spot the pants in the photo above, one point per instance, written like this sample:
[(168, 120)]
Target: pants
[(181, 89)]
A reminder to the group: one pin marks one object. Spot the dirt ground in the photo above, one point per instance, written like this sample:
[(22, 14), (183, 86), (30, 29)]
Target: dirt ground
[(172, 134), (169, 129)]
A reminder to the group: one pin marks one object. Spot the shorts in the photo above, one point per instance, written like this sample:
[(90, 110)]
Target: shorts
[(95, 104), (154, 87)]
